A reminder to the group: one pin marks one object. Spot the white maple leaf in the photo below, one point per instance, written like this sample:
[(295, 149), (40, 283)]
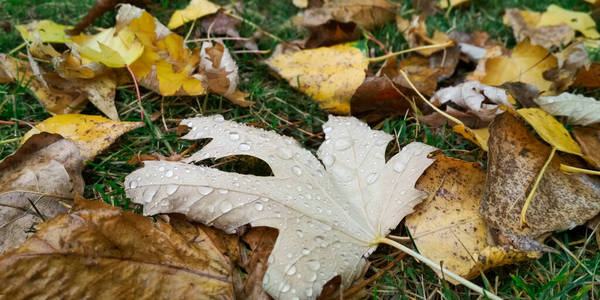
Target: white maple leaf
[(330, 213)]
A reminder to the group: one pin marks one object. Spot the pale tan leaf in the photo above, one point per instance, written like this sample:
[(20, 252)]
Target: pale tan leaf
[(581, 110)]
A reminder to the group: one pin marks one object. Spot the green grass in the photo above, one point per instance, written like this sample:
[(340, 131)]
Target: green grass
[(281, 108)]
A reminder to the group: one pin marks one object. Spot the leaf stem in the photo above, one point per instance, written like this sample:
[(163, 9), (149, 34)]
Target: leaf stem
[(17, 48), (523, 222), (384, 57), (231, 14), (8, 141), (437, 267), (137, 90), (567, 168)]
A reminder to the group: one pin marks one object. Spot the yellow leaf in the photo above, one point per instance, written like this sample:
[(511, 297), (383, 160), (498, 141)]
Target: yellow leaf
[(448, 227), (527, 64), (550, 130), (330, 74), (48, 32), (92, 134), (478, 136), (196, 9), (580, 21), (112, 48), (453, 3)]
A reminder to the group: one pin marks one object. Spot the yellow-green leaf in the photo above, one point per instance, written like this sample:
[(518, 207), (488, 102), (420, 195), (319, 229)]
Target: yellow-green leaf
[(48, 31), (114, 49), (196, 9), (330, 75), (549, 129), (92, 134), (580, 21)]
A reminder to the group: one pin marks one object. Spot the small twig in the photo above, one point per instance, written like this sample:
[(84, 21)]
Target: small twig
[(137, 90), (21, 123), (221, 38), (18, 48), (523, 222), (252, 51), (353, 290), (254, 25), (384, 57)]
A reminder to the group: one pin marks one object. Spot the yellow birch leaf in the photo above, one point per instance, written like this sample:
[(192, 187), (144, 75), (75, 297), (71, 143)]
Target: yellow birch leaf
[(109, 47), (527, 63), (580, 21), (478, 136), (196, 9), (48, 31), (330, 74), (550, 130), (91, 134)]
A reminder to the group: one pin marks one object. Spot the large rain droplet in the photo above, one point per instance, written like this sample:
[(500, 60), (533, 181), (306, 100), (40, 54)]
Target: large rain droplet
[(244, 147), (328, 160), (219, 118), (204, 190), (258, 206), (291, 270), (371, 178), (342, 144), (285, 288), (314, 265), (133, 184), (171, 189), (399, 166), (234, 136), (296, 170), (225, 206)]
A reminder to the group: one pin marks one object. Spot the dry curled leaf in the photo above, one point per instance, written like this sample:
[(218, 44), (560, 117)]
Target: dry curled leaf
[(524, 26), (261, 241), (99, 251), (44, 171), (366, 14), (331, 33), (330, 75), (45, 31), (515, 158), (589, 141), (579, 109), (328, 217), (447, 226), (415, 33)]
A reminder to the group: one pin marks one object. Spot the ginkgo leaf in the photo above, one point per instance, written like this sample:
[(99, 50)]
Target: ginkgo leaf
[(527, 63), (447, 226), (549, 129), (92, 134), (330, 75), (115, 49), (329, 217), (581, 110), (45, 30), (194, 10), (580, 21)]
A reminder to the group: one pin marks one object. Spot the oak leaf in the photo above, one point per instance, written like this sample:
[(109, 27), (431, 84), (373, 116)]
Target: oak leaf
[(329, 217), (42, 173), (579, 109), (99, 251)]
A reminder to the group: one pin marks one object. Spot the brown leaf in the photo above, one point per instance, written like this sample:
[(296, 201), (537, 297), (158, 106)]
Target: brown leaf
[(377, 98), (45, 171), (100, 251), (415, 33), (331, 33), (522, 92), (366, 14), (515, 158), (447, 226), (427, 7), (589, 141), (261, 241), (545, 36), (588, 77)]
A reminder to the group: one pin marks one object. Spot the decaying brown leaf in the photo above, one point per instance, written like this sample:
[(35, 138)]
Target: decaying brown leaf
[(261, 241), (331, 33), (522, 92), (366, 14), (33, 181), (100, 251), (515, 158), (589, 141), (415, 33), (588, 77), (447, 226), (524, 27)]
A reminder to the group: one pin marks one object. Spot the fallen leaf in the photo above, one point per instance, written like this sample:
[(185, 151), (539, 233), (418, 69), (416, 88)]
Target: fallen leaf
[(527, 63), (261, 241), (476, 99), (45, 31), (579, 21), (100, 251), (42, 173), (550, 130), (570, 61), (523, 93), (589, 141), (115, 49), (447, 226), (588, 77), (579, 109), (452, 3), (71, 65), (55, 100), (515, 157), (92, 134), (328, 217), (377, 98), (330, 75), (331, 33), (474, 46), (415, 33), (427, 7), (194, 10), (545, 36), (366, 14)]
